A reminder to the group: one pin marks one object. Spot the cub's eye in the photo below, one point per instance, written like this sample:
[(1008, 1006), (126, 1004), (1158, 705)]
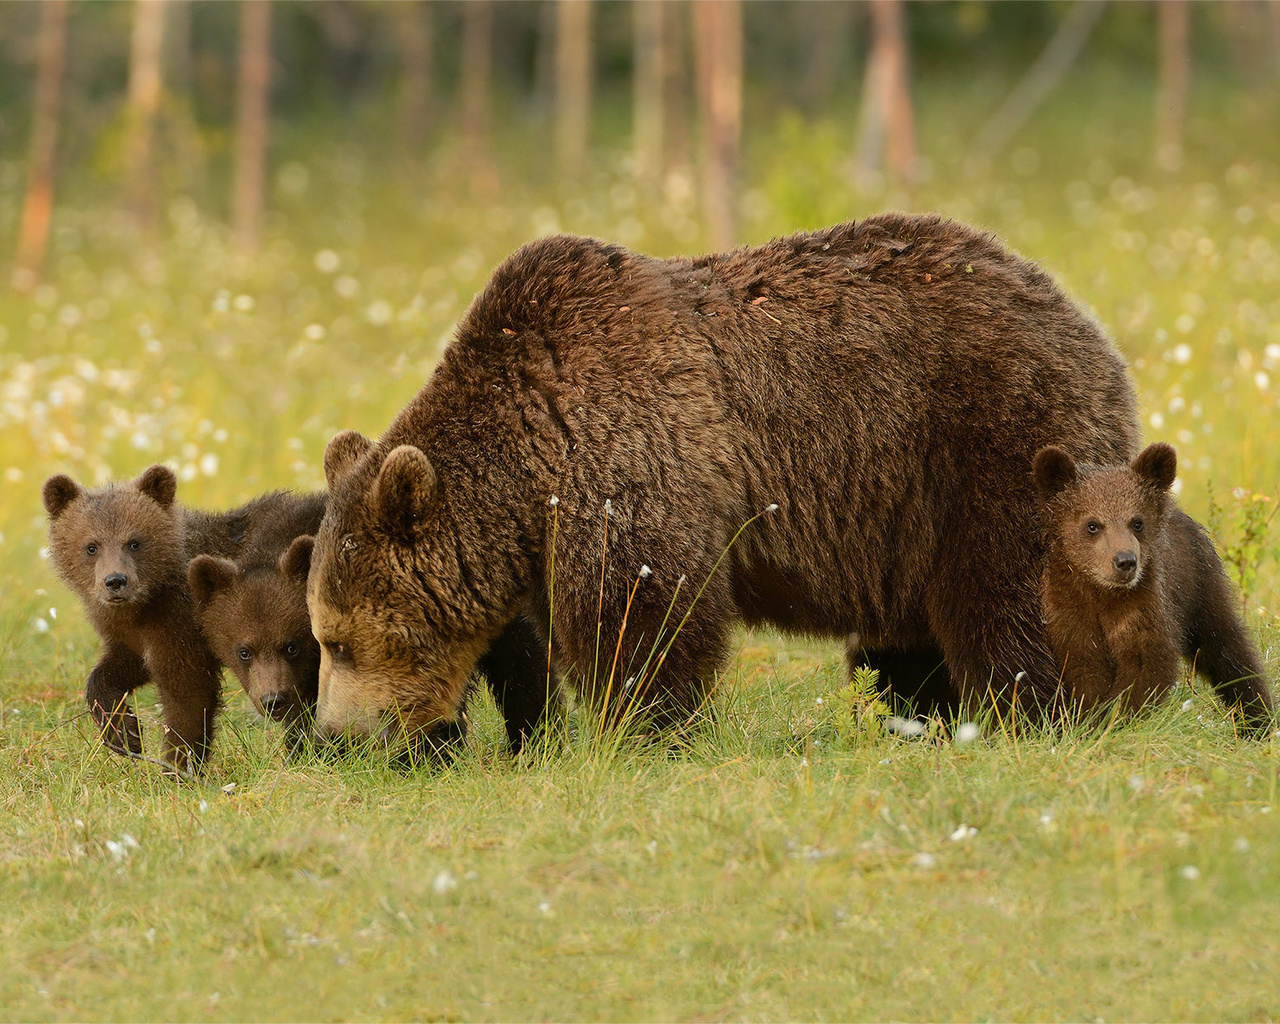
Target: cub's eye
[(1137, 525), (1093, 526), (245, 654), (91, 549), (290, 650), (134, 545)]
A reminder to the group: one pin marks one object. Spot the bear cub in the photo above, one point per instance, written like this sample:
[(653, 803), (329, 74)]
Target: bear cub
[(1131, 582), (253, 613), (123, 550)]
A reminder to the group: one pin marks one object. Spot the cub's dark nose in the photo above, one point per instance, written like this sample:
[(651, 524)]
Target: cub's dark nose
[(274, 704), (116, 582), (1126, 563)]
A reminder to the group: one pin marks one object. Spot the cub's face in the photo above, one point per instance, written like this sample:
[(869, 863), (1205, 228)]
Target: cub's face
[(399, 627), (115, 546), (256, 622), (1107, 526), (1106, 519)]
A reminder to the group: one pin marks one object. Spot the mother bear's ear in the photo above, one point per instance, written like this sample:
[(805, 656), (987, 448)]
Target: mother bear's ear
[(1053, 470), (404, 491), (342, 452)]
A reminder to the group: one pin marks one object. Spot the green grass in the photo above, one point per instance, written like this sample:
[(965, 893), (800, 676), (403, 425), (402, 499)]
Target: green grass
[(789, 864)]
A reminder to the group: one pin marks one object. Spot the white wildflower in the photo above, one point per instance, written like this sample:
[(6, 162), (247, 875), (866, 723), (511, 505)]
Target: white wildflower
[(967, 732), (905, 726), (645, 572), (962, 833), (444, 882), (327, 261), (1187, 704), (924, 860), (379, 313), (1190, 872)]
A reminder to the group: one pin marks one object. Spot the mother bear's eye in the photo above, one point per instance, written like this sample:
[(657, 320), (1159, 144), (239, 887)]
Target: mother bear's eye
[(1093, 526), (91, 549)]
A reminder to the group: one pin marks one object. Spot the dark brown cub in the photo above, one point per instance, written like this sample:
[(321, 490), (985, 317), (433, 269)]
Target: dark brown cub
[(1131, 582)]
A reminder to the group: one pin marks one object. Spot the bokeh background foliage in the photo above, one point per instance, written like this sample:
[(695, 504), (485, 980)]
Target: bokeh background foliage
[(798, 862)]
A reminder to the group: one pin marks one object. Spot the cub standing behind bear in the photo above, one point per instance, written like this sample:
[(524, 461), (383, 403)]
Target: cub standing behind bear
[(253, 612), (881, 386), (123, 549), (1131, 582)]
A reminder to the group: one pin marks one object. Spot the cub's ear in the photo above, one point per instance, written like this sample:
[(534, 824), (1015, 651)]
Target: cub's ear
[(59, 492), (342, 452), (1053, 470), (159, 484), (404, 490), (296, 561), (206, 575), (1157, 464)]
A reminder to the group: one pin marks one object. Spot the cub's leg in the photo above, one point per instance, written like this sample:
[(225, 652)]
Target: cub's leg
[(118, 673), (1215, 636), (189, 679)]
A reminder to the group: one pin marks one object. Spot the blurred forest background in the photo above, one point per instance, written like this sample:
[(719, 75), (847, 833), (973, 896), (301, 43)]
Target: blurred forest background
[(228, 230), (204, 103)]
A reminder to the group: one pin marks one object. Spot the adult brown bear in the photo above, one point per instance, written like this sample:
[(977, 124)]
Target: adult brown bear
[(604, 424)]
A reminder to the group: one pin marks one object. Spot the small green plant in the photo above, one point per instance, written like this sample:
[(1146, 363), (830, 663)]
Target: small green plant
[(1241, 532), (856, 709)]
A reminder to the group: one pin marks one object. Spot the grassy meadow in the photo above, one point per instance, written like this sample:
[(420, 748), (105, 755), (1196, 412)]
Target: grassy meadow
[(797, 861)]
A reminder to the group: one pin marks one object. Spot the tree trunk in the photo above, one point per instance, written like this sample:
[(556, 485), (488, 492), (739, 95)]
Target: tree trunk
[(718, 42), (251, 123), (477, 65), (1039, 81), (1273, 7), (37, 205), (145, 63), (887, 133), (647, 88), (826, 28), (413, 26), (1175, 78), (676, 88), (573, 84)]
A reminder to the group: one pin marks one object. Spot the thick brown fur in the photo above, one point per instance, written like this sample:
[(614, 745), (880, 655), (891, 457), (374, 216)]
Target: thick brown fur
[(1131, 582), (123, 549), (884, 383), (252, 611)]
